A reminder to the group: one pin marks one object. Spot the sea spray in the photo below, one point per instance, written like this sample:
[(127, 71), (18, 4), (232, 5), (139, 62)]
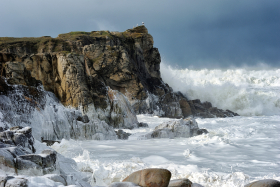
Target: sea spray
[(247, 92)]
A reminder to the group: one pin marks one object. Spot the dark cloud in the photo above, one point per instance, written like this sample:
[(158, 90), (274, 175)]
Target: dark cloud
[(199, 33)]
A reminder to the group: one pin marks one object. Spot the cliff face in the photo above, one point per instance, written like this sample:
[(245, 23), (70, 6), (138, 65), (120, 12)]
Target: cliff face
[(111, 76)]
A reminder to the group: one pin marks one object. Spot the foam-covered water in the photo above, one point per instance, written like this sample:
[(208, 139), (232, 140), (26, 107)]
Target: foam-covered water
[(244, 91), (236, 151)]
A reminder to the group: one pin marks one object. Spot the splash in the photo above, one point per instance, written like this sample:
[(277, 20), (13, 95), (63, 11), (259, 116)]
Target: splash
[(245, 91)]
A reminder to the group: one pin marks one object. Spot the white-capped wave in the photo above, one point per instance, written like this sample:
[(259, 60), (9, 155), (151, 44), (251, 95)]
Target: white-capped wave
[(247, 92)]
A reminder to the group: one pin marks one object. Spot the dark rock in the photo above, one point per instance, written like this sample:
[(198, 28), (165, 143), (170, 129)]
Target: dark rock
[(122, 135), (16, 182), (49, 142), (264, 183), (84, 119), (141, 124), (180, 183), (150, 177), (201, 131), (45, 161), (18, 136), (205, 110)]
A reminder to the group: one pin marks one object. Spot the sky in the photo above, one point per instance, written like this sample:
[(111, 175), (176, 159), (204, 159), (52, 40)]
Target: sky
[(188, 33)]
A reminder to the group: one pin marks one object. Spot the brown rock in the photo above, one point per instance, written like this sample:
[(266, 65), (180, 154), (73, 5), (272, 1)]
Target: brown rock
[(150, 177), (264, 183)]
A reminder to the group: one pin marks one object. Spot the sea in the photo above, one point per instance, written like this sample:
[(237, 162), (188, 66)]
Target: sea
[(236, 151)]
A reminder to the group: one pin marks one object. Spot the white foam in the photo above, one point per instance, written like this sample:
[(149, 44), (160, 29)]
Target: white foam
[(236, 151), (247, 92)]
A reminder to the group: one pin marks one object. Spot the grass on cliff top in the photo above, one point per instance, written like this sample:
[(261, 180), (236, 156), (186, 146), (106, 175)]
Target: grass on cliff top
[(77, 35), (24, 39), (44, 43)]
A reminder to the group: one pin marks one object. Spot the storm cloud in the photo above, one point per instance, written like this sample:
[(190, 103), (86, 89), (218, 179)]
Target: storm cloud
[(197, 34)]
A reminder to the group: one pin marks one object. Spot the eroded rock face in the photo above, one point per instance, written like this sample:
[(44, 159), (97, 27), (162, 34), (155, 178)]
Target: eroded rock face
[(41, 110)]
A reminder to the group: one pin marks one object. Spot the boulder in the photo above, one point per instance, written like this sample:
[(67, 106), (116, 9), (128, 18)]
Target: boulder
[(144, 125), (180, 183), (12, 181), (122, 135), (46, 161), (201, 131), (264, 183), (150, 177), (180, 128)]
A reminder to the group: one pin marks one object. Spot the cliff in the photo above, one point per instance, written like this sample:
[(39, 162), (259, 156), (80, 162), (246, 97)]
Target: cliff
[(110, 76)]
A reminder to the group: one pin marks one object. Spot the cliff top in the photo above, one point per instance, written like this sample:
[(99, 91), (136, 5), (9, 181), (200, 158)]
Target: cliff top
[(76, 35)]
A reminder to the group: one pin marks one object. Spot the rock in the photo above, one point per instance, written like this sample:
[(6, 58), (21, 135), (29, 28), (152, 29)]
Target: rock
[(180, 183), (206, 110), (46, 161), (122, 135), (7, 161), (19, 136), (264, 183), (12, 181), (57, 178), (123, 184), (201, 131), (150, 177), (122, 114), (141, 124), (180, 128), (196, 185), (16, 182)]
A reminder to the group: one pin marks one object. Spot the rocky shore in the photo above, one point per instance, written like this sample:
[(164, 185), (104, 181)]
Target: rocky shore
[(85, 86)]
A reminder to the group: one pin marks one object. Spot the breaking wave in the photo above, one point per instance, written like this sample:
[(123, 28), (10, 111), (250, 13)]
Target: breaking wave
[(245, 91)]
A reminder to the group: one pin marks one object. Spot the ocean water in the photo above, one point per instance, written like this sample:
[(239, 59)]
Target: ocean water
[(236, 151)]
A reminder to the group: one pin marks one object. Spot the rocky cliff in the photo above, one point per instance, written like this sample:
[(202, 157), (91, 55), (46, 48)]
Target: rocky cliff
[(110, 76)]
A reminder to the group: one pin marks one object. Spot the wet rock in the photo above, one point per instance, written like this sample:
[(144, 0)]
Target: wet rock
[(83, 118), (196, 185), (141, 124), (123, 184), (7, 161), (45, 161), (13, 181), (264, 183), (180, 183), (201, 131), (57, 178), (18, 136), (206, 110), (122, 135), (150, 177), (180, 128)]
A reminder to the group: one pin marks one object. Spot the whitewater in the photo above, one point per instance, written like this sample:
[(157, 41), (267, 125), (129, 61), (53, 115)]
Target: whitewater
[(235, 152)]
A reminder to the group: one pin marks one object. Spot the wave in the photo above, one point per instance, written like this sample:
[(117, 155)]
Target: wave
[(245, 91)]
